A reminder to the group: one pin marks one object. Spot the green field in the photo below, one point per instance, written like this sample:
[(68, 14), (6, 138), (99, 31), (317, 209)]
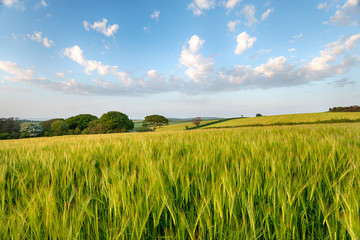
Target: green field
[(303, 118), (289, 119), (279, 182)]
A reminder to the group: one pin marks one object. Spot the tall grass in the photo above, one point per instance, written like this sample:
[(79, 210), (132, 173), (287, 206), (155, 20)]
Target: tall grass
[(289, 182)]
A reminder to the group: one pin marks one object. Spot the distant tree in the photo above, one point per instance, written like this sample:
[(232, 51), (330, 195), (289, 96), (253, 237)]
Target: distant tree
[(354, 108), (155, 121), (59, 128), (4, 136), (258, 115), (116, 122), (46, 125), (9, 127), (30, 130), (196, 121), (95, 127), (79, 122)]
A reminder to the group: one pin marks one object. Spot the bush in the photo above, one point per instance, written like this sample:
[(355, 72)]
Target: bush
[(46, 125), (95, 127), (143, 129), (59, 128), (4, 136), (30, 130), (258, 115)]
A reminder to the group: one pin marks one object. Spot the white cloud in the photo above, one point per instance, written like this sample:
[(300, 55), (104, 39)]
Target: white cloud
[(37, 37), (60, 75), (348, 14), (267, 14), (102, 27), (322, 5), (43, 3), (292, 50), (232, 25), (14, 3), (15, 69), (244, 42), (232, 3), (155, 15), (336, 58), (249, 12), (198, 6), (75, 53), (199, 67), (48, 43)]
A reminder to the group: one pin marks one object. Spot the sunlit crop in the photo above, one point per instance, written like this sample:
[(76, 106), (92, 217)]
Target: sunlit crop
[(282, 182)]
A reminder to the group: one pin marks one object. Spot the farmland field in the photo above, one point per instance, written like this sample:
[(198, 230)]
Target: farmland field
[(278, 182), (288, 119)]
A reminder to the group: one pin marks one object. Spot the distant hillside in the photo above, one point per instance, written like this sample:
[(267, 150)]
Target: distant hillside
[(304, 118), (289, 119)]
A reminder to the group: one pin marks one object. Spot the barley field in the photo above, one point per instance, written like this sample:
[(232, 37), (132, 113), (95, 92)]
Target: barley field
[(279, 182), (301, 118)]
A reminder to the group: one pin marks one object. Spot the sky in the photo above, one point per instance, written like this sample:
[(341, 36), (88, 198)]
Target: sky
[(177, 58)]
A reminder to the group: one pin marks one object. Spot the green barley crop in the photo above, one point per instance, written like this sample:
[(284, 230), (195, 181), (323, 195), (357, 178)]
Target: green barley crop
[(284, 182)]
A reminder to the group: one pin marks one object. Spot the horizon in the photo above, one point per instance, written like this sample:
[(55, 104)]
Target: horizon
[(221, 58)]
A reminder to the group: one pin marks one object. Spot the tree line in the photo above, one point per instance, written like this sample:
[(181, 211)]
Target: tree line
[(110, 122), (354, 108)]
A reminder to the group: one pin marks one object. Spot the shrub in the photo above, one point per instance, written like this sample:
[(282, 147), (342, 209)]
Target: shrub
[(30, 130), (59, 128)]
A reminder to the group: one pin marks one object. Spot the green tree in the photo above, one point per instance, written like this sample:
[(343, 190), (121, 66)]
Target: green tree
[(10, 127), (80, 121), (258, 115), (46, 125), (30, 130), (95, 127), (116, 122), (59, 128), (155, 121)]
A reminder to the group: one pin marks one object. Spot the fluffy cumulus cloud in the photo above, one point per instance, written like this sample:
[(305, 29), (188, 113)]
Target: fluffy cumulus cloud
[(336, 58), (14, 3), (249, 12), (348, 14), (230, 4), (102, 27), (155, 15), (37, 37), (244, 42), (266, 14), (76, 54), (232, 25), (199, 6), (199, 67)]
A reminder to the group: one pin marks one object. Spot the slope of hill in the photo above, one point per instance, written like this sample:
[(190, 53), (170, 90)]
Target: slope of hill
[(182, 126), (288, 119), (304, 118)]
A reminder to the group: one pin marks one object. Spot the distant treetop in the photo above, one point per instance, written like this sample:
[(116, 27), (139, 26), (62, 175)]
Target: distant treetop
[(354, 108)]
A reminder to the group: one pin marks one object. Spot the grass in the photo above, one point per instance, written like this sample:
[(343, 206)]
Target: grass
[(304, 118), (281, 182), (182, 126)]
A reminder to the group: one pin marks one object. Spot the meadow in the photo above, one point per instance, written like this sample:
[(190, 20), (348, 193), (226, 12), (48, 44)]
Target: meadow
[(288, 119), (279, 182)]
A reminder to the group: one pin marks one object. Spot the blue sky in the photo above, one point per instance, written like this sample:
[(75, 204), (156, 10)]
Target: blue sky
[(177, 58)]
